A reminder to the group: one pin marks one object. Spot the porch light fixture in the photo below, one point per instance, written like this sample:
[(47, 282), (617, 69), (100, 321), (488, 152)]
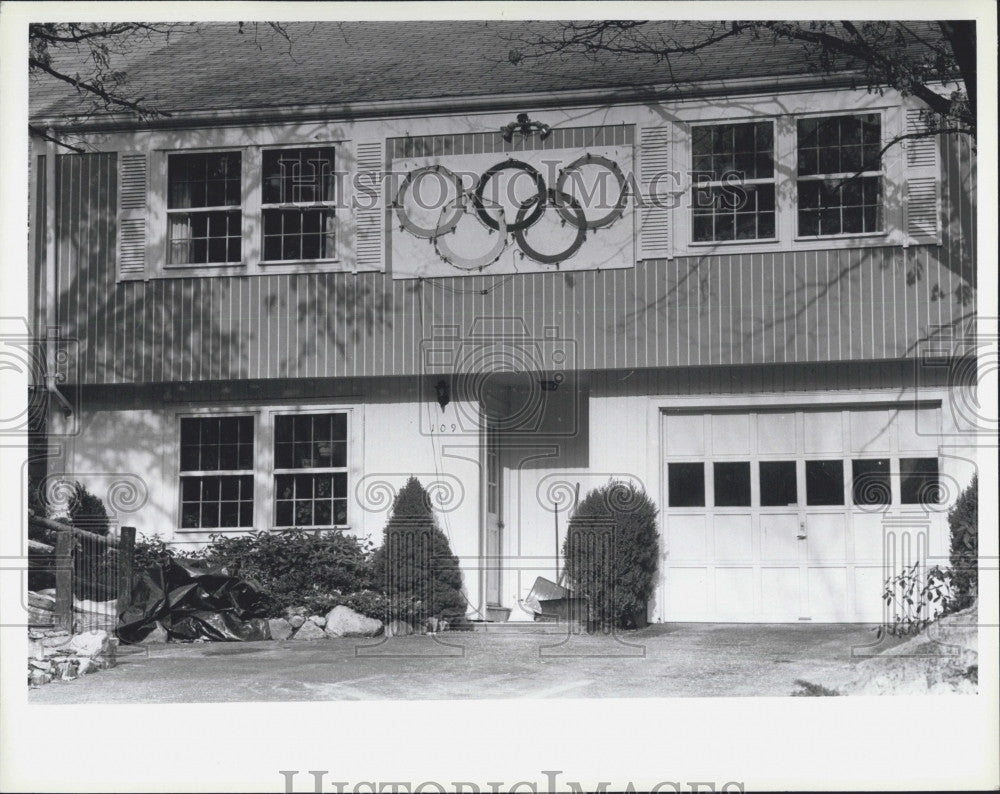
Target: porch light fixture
[(551, 384), (443, 391), (526, 127)]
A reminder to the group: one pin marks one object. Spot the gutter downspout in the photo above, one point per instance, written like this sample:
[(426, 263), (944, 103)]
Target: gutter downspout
[(51, 319)]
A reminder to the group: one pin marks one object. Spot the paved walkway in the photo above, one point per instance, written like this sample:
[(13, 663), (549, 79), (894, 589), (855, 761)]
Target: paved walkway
[(665, 660)]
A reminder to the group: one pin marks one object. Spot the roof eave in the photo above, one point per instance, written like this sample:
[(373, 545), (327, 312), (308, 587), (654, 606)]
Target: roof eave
[(452, 104)]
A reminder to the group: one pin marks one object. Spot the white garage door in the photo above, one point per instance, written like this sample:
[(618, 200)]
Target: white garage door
[(779, 516)]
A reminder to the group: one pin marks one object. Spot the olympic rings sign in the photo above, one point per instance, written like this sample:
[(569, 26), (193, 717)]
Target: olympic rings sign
[(473, 202)]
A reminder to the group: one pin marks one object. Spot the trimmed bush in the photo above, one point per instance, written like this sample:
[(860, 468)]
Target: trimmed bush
[(152, 551), (617, 585), (86, 511), (295, 567), (963, 521), (415, 567)]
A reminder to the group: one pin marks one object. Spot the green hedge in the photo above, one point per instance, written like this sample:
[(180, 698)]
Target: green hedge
[(963, 521), (618, 585), (415, 566)]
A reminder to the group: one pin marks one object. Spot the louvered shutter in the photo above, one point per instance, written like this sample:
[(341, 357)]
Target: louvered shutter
[(369, 211), (922, 183), (132, 182), (655, 198)]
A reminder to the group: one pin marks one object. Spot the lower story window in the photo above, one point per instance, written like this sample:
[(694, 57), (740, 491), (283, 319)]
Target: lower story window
[(310, 470), (216, 472)]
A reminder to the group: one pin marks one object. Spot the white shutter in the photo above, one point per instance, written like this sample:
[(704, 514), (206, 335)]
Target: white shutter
[(656, 196), (923, 191), (369, 212), (132, 186)]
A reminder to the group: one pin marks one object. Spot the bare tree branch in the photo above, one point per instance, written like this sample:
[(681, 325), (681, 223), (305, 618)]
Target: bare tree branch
[(44, 135)]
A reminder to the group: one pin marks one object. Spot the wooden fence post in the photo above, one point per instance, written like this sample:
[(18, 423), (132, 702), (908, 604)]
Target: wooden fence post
[(64, 579), (126, 555)]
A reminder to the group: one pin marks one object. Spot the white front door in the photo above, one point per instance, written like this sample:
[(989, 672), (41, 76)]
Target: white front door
[(777, 516)]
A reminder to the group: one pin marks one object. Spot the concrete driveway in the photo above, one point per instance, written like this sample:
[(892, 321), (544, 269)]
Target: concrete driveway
[(695, 659)]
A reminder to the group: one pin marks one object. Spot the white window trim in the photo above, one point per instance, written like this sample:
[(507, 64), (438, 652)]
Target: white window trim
[(253, 227), (338, 212), (773, 180), (263, 472), (351, 454), (786, 175), (175, 469), (167, 212), (882, 174)]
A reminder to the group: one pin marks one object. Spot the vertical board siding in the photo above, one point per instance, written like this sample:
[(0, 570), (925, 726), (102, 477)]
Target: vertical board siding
[(727, 309)]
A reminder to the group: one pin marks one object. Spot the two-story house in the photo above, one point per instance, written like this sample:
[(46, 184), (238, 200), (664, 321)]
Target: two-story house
[(341, 261)]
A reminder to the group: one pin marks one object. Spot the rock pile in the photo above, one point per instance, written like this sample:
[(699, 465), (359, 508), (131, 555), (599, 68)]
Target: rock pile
[(54, 654), (341, 621)]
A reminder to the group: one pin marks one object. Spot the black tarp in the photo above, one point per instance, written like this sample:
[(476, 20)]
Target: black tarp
[(191, 602)]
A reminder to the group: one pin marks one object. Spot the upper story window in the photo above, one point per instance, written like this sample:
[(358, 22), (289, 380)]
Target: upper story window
[(204, 208), (733, 182), (839, 185), (801, 174), (297, 204), (262, 209)]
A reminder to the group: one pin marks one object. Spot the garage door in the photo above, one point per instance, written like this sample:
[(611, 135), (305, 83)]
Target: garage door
[(779, 515)]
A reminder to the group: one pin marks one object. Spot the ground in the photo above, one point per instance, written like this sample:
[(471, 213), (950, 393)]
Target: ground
[(699, 659)]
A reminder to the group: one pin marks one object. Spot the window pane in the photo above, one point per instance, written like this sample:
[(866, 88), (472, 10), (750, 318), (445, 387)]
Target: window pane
[(298, 175), (209, 444), (838, 144), (203, 180), (291, 234), (732, 484), (919, 483), (824, 482), (745, 148), (212, 237), (731, 212), (778, 483), (283, 428), (686, 484), (840, 207), (871, 482)]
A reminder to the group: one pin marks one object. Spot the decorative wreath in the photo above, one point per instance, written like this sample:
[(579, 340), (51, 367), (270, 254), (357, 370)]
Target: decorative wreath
[(528, 213), (521, 222), (445, 225), (485, 259), (616, 172), (565, 205)]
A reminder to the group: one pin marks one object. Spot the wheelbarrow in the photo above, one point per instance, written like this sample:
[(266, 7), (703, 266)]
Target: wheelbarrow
[(550, 601)]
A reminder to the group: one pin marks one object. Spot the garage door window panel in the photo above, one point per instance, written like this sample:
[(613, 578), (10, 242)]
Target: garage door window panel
[(870, 482), (731, 484), (918, 481), (778, 483), (686, 484), (824, 482)]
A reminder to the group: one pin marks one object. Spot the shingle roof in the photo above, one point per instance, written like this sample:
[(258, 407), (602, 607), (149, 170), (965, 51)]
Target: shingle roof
[(214, 67)]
